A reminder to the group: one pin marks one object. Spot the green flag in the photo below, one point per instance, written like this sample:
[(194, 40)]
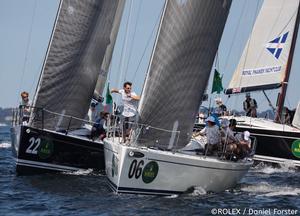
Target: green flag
[(217, 83), (108, 101), (108, 98)]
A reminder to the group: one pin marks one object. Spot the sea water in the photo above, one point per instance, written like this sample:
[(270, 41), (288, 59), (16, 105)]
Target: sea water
[(264, 191)]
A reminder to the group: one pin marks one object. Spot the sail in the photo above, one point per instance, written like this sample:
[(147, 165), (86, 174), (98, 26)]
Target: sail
[(80, 39), (264, 60), (296, 120), (188, 38), (109, 51)]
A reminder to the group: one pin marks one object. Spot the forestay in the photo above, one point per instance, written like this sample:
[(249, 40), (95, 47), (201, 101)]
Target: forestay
[(188, 38), (264, 60), (80, 40)]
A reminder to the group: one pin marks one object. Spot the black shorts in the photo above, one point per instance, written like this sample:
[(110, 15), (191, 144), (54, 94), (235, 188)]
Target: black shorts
[(128, 122)]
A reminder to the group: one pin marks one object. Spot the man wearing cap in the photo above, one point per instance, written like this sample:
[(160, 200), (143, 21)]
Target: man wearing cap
[(213, 135), (250, 106), (244, 145), (221, 108)]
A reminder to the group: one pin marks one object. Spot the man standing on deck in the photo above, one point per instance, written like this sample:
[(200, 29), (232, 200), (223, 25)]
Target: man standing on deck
[(129, 99), (92, 113), (250, 106), (221, 109), (25, 104)]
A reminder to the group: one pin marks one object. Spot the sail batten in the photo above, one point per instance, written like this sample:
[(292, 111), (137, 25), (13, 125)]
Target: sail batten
[(264, 60), (80, 40), (181, 62)]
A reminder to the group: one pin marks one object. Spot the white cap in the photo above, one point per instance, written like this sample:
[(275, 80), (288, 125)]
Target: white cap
[(246, 135), (210, 119)]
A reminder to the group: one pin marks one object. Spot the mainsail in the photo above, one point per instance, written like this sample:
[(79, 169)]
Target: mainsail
[(81, 37), (109, 51), (188, 38), (264, 60)]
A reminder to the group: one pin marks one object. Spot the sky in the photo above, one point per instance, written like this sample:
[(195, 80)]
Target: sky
[(26, 25)]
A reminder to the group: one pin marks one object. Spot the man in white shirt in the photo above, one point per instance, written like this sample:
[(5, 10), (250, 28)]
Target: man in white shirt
[(129, 99), (25, 104), (92, 113)]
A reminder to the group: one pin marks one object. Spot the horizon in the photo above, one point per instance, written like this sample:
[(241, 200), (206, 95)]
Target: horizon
[(26, 29)]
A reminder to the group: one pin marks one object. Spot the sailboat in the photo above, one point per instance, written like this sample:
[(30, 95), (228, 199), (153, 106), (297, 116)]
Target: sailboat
[(266, 64), (78, 54), (152, 163)]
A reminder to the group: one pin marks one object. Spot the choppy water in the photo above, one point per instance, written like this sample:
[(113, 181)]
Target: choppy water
[(264, 191)]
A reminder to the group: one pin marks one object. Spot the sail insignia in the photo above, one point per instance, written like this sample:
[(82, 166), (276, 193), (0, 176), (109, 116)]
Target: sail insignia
[(275, 46), (264, 60)]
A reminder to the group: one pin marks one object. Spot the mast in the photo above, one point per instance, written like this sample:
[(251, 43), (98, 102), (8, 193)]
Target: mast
[(152, 53), (47, 52), (288, 70)]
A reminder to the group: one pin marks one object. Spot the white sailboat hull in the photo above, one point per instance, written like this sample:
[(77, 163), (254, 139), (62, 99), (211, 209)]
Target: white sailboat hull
[(149, 171)]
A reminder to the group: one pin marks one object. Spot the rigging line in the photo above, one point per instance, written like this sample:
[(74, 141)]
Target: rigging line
[(269, 102), (120, 78), (218, 63), (28, 45), (107, 80), (217, 59), (234, 39), (271, 93), (250, 37), (36, 76), (109, 72), (147, 45), (134, 34), (122, 60), (35, 95), (288, 22)]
